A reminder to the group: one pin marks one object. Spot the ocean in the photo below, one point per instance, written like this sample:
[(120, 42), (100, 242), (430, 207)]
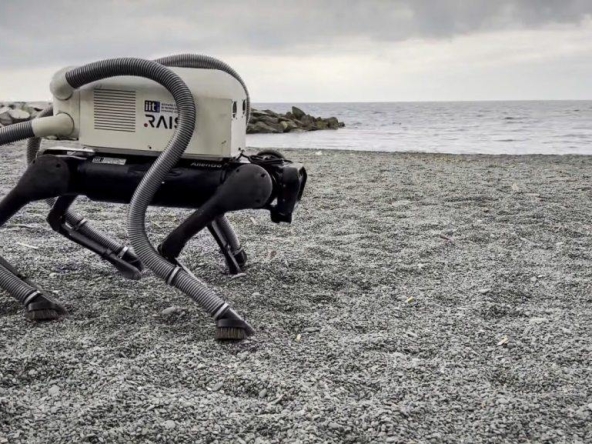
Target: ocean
[(512, 127)]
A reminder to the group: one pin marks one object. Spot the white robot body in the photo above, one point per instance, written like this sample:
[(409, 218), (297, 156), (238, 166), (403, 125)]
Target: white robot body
[(136, 116)]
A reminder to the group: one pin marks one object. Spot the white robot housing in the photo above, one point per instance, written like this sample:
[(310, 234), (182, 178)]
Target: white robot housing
[(137, 116)]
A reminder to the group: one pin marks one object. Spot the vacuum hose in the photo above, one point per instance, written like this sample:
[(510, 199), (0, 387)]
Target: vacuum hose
[(152, 180), (16, 132)]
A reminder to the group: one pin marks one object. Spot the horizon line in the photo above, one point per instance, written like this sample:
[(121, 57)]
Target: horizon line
[(374, 101)]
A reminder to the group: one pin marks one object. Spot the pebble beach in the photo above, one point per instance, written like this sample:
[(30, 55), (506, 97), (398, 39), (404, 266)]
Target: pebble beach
[(415, 298)]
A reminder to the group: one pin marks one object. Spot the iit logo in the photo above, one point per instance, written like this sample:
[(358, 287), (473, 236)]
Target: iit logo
[(151, 106)]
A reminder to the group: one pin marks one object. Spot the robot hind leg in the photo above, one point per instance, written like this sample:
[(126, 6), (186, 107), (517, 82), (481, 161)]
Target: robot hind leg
[(45, 178)]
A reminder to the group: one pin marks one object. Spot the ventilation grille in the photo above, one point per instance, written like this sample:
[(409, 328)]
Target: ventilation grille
[(115, 110)]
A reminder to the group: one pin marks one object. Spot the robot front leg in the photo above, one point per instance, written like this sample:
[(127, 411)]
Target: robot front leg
[(248, 186), (230, 246)]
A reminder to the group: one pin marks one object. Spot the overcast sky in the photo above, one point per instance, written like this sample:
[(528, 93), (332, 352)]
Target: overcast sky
[(318, 50)]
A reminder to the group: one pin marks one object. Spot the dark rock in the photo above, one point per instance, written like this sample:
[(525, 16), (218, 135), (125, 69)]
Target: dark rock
[(307, 120), (262, 127), (5, 118), (37, 106), (288, 125), (322, 124), (298, 113), (332, 122), (269, 120), (257, 113), (18, 115)]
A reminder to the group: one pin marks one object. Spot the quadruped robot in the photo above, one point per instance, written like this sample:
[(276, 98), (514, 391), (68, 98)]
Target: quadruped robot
[(169, 132)]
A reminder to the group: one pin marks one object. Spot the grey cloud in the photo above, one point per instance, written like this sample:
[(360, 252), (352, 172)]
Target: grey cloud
[(40, 33)]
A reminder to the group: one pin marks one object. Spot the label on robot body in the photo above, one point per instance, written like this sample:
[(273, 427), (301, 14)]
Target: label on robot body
[(205, 165), (109, 160), (155, 115)]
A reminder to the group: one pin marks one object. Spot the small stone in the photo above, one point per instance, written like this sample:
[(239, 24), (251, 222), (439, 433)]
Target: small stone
[(169, 424), (319, 153), (262, 393), (485, 290), (171, 310), (54, 390), (217, 386), (538, 320)]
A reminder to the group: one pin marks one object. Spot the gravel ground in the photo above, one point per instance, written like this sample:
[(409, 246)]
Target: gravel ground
[(416, 298)]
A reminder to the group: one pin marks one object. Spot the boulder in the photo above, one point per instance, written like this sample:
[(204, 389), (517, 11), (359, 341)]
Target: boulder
[(38, 106), (332, 122), (257, 113), (271, 113), (288, 125), (5, 118), (277, 126), (298, 113), (35, 108), (269, 120), (264, 128), (322, 124), (18, 115)]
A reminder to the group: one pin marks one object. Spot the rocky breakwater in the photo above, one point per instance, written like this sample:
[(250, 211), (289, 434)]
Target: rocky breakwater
[(261, 121), (292, 122), (16, 112)]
